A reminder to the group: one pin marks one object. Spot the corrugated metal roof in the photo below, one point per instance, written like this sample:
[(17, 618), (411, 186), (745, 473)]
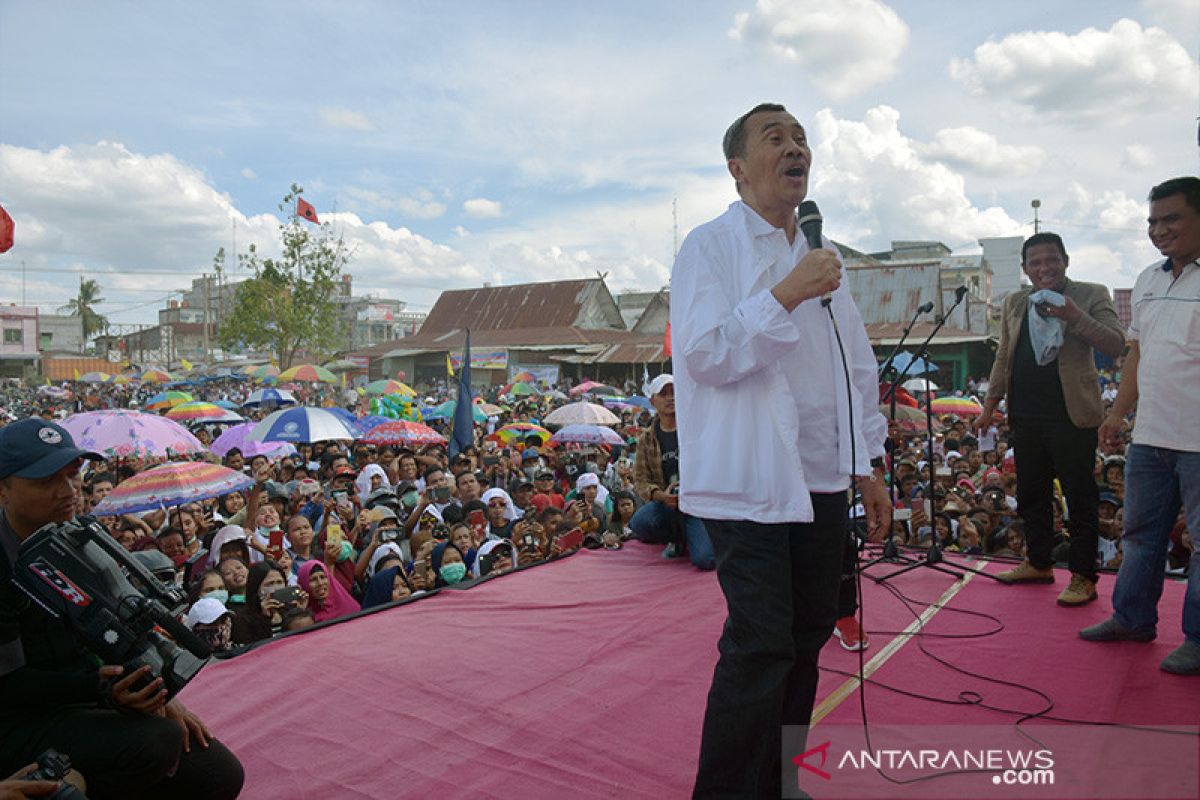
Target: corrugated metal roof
[(557, 304), (889, 333)]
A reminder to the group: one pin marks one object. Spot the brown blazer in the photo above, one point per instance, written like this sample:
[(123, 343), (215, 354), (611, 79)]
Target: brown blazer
[(1098, 329)]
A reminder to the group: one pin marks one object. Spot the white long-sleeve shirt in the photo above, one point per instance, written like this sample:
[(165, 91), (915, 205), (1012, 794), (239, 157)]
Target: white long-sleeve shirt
[(760, 395)]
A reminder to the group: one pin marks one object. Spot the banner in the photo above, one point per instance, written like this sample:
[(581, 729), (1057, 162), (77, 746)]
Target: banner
[(482, 359)]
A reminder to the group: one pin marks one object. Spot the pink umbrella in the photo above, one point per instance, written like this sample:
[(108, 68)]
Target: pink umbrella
[(402, 432), (118, 433)]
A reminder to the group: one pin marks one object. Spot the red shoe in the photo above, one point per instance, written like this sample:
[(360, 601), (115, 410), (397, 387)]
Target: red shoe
[(850, 634)]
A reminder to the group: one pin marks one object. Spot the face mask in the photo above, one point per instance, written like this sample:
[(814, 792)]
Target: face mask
[(218, 594), (453, 573), (265, 533)]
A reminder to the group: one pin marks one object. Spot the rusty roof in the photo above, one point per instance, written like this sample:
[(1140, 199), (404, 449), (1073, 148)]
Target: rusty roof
[(554, 304)]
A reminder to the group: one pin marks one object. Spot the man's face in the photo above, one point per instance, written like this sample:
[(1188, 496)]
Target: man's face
[(1045, 266), (30, 503), (522, 496), (664, 401), (1175, 228), (772, 175), (436, 480), (468, 487), (100, 490), (236, 462)]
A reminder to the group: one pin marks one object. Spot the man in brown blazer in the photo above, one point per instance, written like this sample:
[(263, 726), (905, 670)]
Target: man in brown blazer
[(1054, 410)]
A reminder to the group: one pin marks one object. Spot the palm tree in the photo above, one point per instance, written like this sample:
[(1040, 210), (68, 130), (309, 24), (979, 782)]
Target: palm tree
[(82, 306)]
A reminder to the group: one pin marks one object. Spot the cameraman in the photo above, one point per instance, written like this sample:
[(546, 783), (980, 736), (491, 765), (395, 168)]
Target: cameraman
[(126, 739)]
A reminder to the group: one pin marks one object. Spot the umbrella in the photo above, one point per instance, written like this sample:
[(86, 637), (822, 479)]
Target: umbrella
[(120, 380), (94, 377), (167, 400), (587, 434), (903, 413), (918, 385), (155, 375), (235, 437), (389, 386), (118, 433), (527, 377), (308, 372), (522, 389), (269, 397), (302, 424), (172, 485), (403, 432), (519, 430), (582, 413), (446, 411), (490, 410), (640, 402), (592, 387), (919, 366), (962, 406), (229, 405), (364, 424), (200, 411), (264, 372)]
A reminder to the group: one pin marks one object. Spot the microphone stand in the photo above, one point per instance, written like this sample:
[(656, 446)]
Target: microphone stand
[(891, 553), (933, 556)]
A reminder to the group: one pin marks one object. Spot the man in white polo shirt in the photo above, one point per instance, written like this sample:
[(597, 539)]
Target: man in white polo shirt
[(1161, 377)]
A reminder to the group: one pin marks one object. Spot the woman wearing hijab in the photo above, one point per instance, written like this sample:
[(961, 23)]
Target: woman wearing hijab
[(371, 478), (500, 513), (449, 564), (390, 582), (327, 598)]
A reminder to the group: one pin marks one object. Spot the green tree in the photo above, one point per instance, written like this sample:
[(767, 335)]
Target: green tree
[(289, 306), (83, 305)]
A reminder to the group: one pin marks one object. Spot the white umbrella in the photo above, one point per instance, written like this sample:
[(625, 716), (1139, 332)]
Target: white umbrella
[(301, 424), (581, 413), (918, 385)]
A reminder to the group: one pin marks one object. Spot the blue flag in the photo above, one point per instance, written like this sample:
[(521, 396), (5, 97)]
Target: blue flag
[(464, 423)]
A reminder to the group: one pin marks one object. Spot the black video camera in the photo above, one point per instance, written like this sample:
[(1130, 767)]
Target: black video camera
[(117, 608), (54, 766)]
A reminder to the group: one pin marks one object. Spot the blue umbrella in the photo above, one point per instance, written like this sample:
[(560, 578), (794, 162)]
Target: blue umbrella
[(919, 365), (269, 397), (228, 405), (302, 424), (446, 411), (370, 421)]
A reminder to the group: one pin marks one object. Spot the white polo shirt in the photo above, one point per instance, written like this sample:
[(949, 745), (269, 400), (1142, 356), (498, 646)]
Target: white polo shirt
[(1166, 325)]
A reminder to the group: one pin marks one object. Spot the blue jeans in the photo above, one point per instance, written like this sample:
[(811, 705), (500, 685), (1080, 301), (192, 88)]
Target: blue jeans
[(1157, 482), (656, 523)]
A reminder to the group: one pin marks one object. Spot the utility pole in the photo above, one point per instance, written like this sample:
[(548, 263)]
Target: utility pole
[(207, 351), (1036, 205)]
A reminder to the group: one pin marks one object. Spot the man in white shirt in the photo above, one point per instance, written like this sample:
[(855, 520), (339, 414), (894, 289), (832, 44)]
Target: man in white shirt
[(769, 437), (1161, 377)]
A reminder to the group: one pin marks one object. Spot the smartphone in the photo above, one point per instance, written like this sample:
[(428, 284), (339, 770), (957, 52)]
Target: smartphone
[(902, 514), (442, 494), (334, 533), (478, 525), (275, 544), (927, 506), (570, 540), (288, 595), (491, 461)]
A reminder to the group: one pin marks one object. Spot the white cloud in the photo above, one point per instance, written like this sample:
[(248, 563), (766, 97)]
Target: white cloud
[(1138, 156), (1085, 77), (249, 174), (482, 208), (844, 46), (419, 205), (881, 186), (1181, 17), (979, 151), (345, 118)]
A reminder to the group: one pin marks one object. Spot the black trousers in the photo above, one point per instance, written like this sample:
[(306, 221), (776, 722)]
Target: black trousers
[(1045, 450), (781, 589), (122, 755)]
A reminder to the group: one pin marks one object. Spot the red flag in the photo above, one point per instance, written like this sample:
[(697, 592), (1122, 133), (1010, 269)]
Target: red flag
[(6, 231), (667, 342), (305, 209)]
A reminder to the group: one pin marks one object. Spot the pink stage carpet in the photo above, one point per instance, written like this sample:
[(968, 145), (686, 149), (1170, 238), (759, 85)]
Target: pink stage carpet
[(587, 678)]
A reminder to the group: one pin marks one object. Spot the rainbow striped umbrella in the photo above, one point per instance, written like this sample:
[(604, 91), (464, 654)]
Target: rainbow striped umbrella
[(172, 485), (402, 432), (155, 375), (264, 372), (167, 400), (200, 411), (960, 406), (528, 377), (94, 377), (308, 372), (519, 430), (389, 386), (120, 380), (522, 389), (118, 433)]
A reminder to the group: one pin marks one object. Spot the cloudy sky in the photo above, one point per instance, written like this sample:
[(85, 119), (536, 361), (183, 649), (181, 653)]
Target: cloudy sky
[(453, 144)]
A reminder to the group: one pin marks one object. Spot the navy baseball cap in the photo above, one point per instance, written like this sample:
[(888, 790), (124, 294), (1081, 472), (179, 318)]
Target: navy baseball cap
[(35, 448)]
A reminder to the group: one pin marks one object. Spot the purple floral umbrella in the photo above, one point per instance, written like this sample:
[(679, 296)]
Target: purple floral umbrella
[(118, 433)]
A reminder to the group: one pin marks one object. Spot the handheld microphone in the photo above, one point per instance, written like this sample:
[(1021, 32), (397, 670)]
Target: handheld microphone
[(808, 216)]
